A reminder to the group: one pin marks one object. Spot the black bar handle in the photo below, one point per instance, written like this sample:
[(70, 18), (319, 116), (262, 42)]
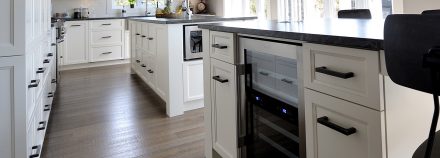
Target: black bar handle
[(137, 34), (150, 71), (143, 65), (346, 131), (150, 38), (46, 108), (75, 25), (45, 61), (50, 95), (287, 81), (106, 24), (107, 37), (264, 73), (53, 44), (107, 53), (34, 83), (37, 148), (43, 125), (219, 46), (143, 36), (41, 70), (342, 75), (49, 54), (217, 78), (54, 81), (138, 61)]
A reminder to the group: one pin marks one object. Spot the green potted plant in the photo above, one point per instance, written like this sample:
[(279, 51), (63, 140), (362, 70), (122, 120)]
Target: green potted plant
[(131, 2)]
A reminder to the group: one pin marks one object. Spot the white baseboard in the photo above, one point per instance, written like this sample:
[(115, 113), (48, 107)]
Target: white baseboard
[(95, 64)]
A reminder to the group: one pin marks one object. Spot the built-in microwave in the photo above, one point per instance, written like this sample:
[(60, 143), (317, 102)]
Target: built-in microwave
[(193, 46), (270, 105)]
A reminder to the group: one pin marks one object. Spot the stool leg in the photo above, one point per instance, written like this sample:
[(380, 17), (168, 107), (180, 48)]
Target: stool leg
[(433, 128)]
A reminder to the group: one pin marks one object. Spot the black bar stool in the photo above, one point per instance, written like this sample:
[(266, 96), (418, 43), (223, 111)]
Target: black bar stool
[(355, 14), (412, 55), (431, 12)]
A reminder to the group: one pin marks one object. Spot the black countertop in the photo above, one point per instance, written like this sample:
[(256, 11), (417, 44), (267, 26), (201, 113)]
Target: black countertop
[(106, 18), (353, 33), (192, 19)]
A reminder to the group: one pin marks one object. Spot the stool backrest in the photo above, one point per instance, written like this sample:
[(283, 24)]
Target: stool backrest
[(407, 38), (431, 12), (355, 14)]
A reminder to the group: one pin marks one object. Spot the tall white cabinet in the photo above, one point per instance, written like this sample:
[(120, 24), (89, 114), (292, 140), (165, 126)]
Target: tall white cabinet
[(27, 77)]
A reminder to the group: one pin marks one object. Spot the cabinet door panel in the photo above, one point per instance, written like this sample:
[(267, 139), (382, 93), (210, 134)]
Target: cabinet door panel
[(152, 38), (76, 43), (224, 109), (325, 142)]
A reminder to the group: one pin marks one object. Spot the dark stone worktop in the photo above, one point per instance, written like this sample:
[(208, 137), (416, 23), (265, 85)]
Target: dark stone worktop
[(353, 33), (107, 18), (192, 19)]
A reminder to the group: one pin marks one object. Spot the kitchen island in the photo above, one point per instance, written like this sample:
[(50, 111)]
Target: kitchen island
[(157, 56), (347, 106)]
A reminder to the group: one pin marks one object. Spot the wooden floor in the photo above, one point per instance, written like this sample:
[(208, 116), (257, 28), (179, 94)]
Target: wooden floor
[(106, 112)]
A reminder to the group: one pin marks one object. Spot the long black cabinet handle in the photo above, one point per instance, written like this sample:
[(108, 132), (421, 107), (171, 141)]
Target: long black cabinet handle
[(143, 65), (287, 81), (150, 71), (327, 71), (53, 44), (42, 125), (138, 61), (219, 46), (37, 150), (45, 61), (50, 95), (138, 34), (54, 81), (46, 108), (41, 70), (107, 37), (217, 78), (150, 38), (34, 83), (49, 54), (143, 36), (107, 24), (107, 53), (264, 73), (346, 131), (75, 25)]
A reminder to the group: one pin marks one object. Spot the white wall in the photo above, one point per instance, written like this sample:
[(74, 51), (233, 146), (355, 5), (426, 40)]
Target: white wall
[(417, 6)]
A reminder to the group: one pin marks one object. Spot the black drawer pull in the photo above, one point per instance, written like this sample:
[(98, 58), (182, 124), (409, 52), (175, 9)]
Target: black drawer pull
[(106, 24), (219, 46), (138, 61), (37, 149), (50, 95), (150, 71), (137, 34), (34, 83), (143, 65), (41, 125), (287, 81), (53, 44), (49, 54), (346, 131), (217, 78), (143, 36), (107, 37), (45, 61), (150, 38), (342, 75), (75, 25), (54, 81), (264, 73), (107, 53), (46, 108), (41, 70)]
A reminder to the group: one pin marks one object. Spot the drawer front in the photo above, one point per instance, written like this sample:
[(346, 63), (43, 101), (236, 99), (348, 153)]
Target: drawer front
[(223, 46), (364, 141), (107, 24), (107, 37), (106, 53), (346, 73)]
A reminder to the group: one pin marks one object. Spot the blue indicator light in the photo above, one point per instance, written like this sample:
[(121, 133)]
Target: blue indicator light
[(257, 98), (284, 111)]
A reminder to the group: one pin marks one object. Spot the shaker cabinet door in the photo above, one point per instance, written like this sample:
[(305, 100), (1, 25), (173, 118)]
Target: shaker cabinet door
[(339, 129), (224, 108), (76, 43)]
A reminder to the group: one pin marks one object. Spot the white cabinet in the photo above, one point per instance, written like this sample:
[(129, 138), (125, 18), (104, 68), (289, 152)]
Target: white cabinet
[(340, 129), (224, 109), (222, 46), (76, 43), (192, 82)]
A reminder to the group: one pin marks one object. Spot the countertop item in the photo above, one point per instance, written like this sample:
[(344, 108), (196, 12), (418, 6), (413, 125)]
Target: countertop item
[(353, 33), (192, 19)]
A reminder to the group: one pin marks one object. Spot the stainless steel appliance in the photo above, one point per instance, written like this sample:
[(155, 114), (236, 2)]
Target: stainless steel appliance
[(193, 45), (270, 106), (59, 42)]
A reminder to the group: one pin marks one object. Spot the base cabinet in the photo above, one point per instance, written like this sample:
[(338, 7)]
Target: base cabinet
[(76, 43), (340, 129)]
